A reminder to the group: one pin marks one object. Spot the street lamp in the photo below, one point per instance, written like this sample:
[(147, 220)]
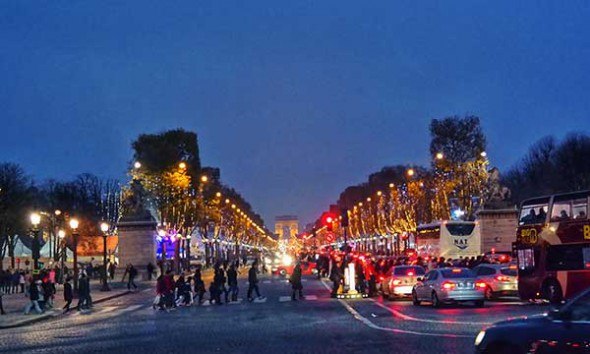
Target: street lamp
[(104, 227), (35, 220), (137, 165), (182, 165), (410, 172), (74, 226), (204, 179), (61, 234)]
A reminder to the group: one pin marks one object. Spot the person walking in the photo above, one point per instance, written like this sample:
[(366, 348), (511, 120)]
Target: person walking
[(232, 281), (150, 270), (169, 290), (112, 268), (336, 278), (253, 281), (2, 312), (68, 294), (33, 299), (84, 300), (296, 283), (199, 285), (132, 273)]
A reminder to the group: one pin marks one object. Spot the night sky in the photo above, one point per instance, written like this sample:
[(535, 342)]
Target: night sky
[(293, 100)]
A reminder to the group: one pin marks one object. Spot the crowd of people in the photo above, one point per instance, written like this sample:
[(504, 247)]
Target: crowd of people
[(190, 289)]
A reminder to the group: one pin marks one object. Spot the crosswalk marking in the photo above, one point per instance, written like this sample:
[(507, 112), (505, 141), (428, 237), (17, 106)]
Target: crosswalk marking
[(266, 281), (260, 301), (284, 298)]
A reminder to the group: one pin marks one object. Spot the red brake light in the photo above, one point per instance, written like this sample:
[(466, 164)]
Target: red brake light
[(448, 285), (481, 285), (456, 270), (502, 278), (381, 278)]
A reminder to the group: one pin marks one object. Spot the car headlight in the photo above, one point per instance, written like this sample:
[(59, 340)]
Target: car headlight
[(287, 260), (479, 338)]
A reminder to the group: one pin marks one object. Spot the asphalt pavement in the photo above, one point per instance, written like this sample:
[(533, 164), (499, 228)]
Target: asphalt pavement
[(276, 324)]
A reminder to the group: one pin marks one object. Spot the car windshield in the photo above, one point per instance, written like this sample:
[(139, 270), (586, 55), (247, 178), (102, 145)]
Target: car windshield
[(457, 273), (402, 271)]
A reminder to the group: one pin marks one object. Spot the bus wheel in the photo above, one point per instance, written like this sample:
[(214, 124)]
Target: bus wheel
[(552, 292)]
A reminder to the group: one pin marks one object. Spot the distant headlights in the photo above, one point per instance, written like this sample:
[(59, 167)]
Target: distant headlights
[(479, 337)]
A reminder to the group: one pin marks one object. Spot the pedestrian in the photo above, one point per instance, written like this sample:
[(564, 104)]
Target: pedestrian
[(179, 290), (232, 281), (169, 290), (150, 270), (112, 268), (68, 294), (132, 272), (296, 283), (253, 281), (84, 300), (336, 278), (2, 312), (34, 296), (199, 285)]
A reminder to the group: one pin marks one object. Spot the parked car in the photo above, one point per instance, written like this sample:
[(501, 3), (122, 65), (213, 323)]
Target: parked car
[(401, 281), (500, 279), (448, 285), (561, 331)]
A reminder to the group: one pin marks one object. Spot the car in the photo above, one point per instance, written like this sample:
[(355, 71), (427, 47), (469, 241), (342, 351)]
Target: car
[(307, 268), (401, 281), (449, 285), (564, 330), (499, 257), (500, 279)]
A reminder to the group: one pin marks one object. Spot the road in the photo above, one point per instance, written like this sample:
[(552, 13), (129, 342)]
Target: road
[(276, 325)]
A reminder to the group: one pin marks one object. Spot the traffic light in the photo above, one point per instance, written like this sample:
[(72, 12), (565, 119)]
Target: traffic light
[(344, 217), (328, 221)]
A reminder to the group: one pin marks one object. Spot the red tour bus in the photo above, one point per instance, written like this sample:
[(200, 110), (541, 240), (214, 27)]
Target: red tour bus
[(553, 247)]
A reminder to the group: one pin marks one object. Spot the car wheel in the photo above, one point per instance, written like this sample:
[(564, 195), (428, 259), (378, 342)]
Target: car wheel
[(434, 300), (415, 300), (479, 303), (489, 294), (283, 272), (552, 292)]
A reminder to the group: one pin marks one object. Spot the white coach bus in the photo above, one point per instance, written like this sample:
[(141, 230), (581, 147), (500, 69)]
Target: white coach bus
[(449, 239)]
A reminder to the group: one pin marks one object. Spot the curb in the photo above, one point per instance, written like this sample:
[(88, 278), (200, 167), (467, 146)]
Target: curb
[(47, 316)]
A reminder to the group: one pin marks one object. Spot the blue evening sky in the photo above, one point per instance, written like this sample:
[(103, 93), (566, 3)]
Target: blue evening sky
[(293, 100)]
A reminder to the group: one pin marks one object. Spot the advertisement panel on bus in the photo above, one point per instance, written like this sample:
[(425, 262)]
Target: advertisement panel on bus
[(449, 239)]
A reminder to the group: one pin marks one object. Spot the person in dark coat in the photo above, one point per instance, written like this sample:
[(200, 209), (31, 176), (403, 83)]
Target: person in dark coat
[(150, 270), (336, 278), (1, 306), (232, 281), (253, 281), (84, 300), (68, 294), (296, 283)]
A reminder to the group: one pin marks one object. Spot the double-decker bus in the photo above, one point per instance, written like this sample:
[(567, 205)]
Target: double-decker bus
[(449, 239), (553, 246)]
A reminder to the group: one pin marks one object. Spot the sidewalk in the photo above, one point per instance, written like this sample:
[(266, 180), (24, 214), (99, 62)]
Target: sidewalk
[(14, 304)]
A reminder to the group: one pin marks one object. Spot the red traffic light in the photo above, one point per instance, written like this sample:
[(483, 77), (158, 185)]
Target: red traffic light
[(329, 219)]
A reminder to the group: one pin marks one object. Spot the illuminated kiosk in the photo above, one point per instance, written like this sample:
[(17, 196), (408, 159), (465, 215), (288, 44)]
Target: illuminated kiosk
[(348, 289)]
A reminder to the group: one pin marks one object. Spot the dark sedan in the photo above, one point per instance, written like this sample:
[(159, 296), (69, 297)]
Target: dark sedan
[(566, 330)]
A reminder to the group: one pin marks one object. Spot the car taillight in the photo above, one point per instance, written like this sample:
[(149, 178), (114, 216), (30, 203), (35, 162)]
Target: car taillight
[(481, 285), (448, 285), (503, 278), (381, 278), (397, 282), (410, 274)]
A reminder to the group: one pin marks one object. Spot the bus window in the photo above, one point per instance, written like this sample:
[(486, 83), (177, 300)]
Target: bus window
[(526, 260), (580, 209), (567, 257), (561, 211), (460, 229), (533, 214)]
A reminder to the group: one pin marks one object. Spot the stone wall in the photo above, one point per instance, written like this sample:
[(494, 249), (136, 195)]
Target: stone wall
[(137, 245), (498, 229)]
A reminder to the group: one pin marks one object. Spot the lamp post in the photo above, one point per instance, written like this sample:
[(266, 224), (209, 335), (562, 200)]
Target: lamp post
[(104, 227), (187, 246), (74, 226), (61, 234), (35, 220)]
